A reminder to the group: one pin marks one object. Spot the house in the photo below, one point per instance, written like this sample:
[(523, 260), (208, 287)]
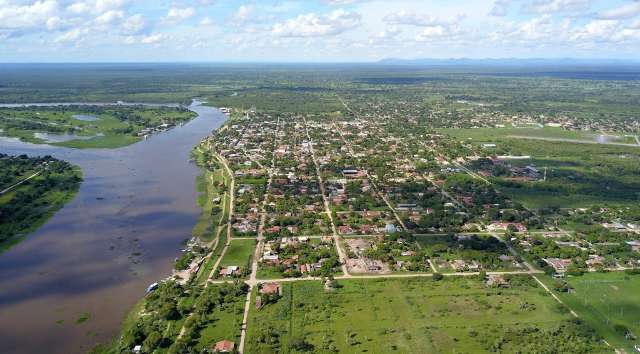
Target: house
[(390, 228), (271, 288), (614, 225), (229, 271), (408, 253), (635, 245), (559, 265), (345, 229), (458, 265), (224, 346), (594, 261), (496, 280), (270, 257), (505, 225)]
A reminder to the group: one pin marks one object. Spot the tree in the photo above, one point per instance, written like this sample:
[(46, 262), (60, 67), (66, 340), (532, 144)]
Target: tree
[(437, 276), (300, 344), (152, 341)]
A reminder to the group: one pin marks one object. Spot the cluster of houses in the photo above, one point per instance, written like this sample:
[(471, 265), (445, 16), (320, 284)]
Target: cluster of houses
[(284, 253), (145, 132)]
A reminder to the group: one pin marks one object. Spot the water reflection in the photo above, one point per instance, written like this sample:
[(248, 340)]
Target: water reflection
[(98, 253)]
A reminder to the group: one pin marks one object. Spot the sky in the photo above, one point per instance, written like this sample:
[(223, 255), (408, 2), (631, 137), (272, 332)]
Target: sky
[(315, 30)]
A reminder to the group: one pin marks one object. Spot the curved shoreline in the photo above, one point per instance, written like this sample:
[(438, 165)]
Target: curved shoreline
[(98, 253)]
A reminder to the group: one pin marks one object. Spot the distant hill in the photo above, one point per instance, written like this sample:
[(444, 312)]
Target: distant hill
[(502, 62)]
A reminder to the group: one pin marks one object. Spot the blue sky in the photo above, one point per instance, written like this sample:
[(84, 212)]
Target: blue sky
[(315, 30)]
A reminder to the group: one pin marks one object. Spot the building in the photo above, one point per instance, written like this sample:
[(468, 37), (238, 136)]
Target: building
[(595, 261), (390, 228), (271, 288), (224, 346), (559, 265), (496, 280), (635, 245), (229, 271)]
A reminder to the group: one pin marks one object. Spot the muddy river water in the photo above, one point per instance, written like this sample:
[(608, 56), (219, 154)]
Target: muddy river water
[(69, 285)]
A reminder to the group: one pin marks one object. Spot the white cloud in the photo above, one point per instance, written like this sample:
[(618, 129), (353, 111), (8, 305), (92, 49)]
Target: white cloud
[(95, 6), (176, 14), (556, 6), (597, 31), (500, 8), (622, 12), (72, 35), (109, 17), (431, 33), (313, 25), (152, 39), (135, 24), (421, 20), (243, 14), (20, 17), (343, 2), (54, 23), (207, 21)]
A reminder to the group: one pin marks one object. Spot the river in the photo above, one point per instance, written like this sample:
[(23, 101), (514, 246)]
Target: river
[(94, 258)]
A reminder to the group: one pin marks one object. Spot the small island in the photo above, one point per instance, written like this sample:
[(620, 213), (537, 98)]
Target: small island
[(89, 126), (32, 189)]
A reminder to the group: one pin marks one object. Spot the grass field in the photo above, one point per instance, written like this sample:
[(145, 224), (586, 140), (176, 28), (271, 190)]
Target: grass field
[(607, 299), (535, 199), (224, 324), (109, 141), (210, 220), (455, 315), (483, 135), (239, 253), (87, 126), (577, 175)]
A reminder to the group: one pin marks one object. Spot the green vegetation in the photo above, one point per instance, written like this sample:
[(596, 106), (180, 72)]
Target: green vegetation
[(488, 135), (239, 253), (47, 185), (212, 185), (577, 175), (597, 173), (88, 126), (182, 319), (385, 315), (609, 303)]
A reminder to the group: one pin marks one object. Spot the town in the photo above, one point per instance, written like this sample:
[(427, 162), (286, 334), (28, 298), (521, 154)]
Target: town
[(341, 199)]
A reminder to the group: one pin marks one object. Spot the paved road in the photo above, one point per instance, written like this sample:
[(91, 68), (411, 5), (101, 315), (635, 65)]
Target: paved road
[(336, 238)]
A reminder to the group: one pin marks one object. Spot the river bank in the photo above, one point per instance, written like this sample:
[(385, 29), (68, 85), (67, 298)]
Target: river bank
[(75, 279)]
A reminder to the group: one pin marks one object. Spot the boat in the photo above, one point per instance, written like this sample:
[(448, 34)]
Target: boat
[(152, 287)]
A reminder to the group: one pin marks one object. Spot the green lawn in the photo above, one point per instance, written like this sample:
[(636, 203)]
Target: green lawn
[(490, 134), (419, 315), (535, 199), (210, 219), (605, 300), (225, 324), (239, 253)]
